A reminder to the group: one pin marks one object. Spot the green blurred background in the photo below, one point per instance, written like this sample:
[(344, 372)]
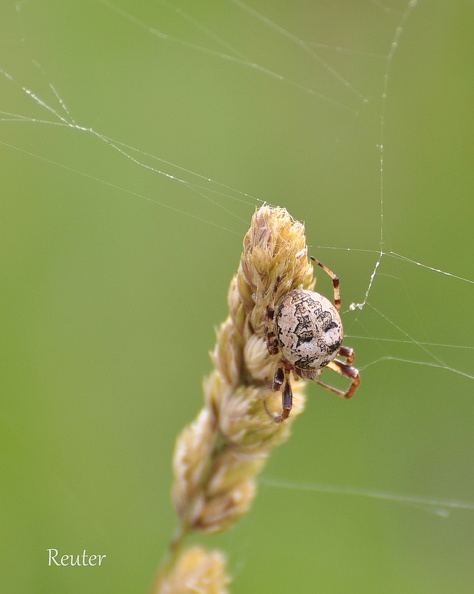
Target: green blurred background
[(114, 277)]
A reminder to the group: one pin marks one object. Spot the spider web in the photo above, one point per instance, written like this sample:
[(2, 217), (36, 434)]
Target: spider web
[(137, 142)]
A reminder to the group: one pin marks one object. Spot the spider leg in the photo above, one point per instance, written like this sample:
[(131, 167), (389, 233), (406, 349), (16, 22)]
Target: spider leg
[(347, 353), (286, 401), (272, 340), (282, 378), (346, 370), (335, 282)]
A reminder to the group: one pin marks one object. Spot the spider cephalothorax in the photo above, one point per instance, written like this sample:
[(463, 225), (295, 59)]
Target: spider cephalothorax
[(306, 329)]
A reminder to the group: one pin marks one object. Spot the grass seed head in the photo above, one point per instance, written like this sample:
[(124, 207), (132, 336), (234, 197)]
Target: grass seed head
[(218, 456)]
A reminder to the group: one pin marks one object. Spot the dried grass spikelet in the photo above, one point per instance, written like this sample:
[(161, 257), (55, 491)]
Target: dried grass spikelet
[(196, 571), (218, 455)]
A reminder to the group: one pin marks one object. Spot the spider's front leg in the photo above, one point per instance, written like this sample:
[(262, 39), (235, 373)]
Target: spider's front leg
[(272, 340), (281, 379)]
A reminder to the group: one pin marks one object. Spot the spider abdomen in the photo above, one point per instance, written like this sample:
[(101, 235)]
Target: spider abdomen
[(308, 328)]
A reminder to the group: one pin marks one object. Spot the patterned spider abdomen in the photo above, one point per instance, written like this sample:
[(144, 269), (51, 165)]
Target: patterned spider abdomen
[(308, 328)]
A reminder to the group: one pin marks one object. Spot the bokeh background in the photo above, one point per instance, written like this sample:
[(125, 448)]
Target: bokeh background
[(114, 276)]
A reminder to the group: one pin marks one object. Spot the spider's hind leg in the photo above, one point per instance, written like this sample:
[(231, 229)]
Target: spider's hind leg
[(347, 371)]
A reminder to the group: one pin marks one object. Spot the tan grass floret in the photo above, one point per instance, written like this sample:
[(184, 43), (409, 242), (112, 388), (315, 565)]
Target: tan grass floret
[(218, 455), (197, 571)]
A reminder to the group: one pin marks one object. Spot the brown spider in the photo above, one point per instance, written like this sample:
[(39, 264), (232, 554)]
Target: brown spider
[(306, 329)]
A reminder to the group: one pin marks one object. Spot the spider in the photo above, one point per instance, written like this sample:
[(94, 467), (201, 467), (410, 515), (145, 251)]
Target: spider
[(305, 327)]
